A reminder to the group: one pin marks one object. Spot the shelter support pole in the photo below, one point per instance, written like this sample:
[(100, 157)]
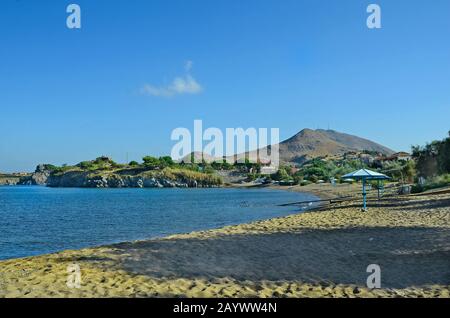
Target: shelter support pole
[(364, 194), (378, 186)]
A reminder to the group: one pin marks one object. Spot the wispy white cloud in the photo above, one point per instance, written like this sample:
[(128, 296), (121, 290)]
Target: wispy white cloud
[(186, 84)]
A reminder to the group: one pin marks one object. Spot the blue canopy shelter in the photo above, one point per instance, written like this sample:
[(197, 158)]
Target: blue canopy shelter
[(365, 174)]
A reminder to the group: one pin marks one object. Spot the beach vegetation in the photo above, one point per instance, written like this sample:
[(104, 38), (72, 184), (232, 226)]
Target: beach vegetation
[(100, 163), (432, 183), (304, 183), (322, 169), (209, 169), (189, 175), (222, 165), (432, 159), (409, 171), (432, 164), (50, 167), (87, 165), (282, 174)]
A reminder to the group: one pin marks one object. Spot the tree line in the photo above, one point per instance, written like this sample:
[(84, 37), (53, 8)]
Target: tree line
[(433, 159)]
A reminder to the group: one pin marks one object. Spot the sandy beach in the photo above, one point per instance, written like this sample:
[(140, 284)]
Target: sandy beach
[(322, 253)]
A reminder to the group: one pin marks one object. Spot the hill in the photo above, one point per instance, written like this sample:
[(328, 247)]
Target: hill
[(310, 143)]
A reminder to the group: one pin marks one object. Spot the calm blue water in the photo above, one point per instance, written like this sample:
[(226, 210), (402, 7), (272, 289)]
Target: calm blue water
[(39, 220)]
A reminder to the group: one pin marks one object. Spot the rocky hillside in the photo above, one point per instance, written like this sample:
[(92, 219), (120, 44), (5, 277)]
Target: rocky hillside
[(310, 143), (109, 176), (10, 179)]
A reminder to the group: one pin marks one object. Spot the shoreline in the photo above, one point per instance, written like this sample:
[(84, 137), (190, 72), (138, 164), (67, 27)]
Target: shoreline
[(312, 254)]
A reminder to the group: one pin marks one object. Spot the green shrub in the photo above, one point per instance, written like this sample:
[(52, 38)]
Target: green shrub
[(433, 158), (282, 174), (208, 169), (86, 165), (151, 162), (298, 179), (432, 183), (166, 161), (313, 178)]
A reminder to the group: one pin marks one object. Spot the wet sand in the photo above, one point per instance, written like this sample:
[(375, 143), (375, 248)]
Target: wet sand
[(321, 253)]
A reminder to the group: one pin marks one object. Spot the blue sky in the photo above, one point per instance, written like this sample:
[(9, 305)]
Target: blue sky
[(107, 89)]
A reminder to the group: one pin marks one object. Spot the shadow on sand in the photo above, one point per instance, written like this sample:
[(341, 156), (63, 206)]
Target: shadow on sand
[(408, 256)]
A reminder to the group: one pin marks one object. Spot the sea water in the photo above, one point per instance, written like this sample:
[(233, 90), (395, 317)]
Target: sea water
[(40, 220)]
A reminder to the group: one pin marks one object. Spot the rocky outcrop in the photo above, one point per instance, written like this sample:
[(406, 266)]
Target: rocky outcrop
[(40, 176), (68, 180), (9, 180), (75, 177), (86, 180)]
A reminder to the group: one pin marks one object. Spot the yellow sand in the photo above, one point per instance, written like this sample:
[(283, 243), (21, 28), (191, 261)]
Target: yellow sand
[(316, 254)]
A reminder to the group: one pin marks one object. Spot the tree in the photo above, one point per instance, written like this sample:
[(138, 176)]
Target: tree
[(281, 175), (426, 159), (50, 167), (409, 171), (151, 162), (209, 169), (443, 157), (133, 163), (86, 164), (298, 179), (166, 161)]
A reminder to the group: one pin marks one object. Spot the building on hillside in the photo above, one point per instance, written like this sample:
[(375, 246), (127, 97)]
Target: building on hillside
[(351, 155), (267, 170), (367, 159), (400, 156)]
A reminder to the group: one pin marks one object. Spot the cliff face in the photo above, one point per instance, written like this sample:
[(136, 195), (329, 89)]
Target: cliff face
[(12, 179), (39, 177), (86, 180), (168, 178)]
